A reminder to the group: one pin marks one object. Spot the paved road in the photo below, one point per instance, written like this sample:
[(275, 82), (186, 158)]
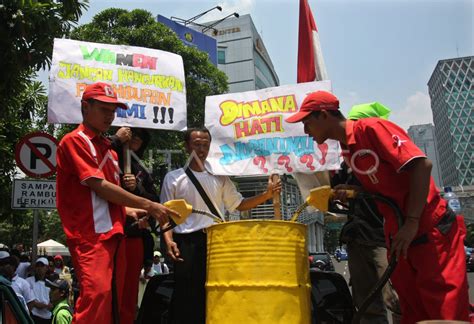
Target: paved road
[(341, 267)]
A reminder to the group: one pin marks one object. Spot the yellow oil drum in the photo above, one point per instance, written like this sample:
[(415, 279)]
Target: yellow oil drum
[(257, 272)]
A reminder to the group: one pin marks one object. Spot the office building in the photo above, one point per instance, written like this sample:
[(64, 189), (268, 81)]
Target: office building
[(452, 101), (424, 137), (242, 56)]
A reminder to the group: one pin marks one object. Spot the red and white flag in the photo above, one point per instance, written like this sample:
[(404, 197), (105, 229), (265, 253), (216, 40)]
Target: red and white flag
[(310, 68), (310, 58)]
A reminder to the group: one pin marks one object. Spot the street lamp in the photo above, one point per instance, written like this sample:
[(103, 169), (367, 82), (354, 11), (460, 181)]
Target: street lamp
[(211, 26), (191, 20)]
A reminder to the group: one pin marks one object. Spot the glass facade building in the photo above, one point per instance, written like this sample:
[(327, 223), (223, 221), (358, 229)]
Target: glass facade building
[(451, 91), (424, 137), (242, 56)]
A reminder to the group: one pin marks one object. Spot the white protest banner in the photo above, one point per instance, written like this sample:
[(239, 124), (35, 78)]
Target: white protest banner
[(250, 135), (150, 81)]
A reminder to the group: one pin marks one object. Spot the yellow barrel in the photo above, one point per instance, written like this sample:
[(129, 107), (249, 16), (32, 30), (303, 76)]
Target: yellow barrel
[(257, 272)]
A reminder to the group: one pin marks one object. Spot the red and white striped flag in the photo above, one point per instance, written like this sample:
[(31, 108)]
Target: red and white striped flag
[(310, 58), (310, 68)]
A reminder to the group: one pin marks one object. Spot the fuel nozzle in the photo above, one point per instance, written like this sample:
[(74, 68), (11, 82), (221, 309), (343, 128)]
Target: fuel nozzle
[(184, 210), (319, 199)]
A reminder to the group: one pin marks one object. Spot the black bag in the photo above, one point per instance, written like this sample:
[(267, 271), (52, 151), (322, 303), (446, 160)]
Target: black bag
[(330, 298)]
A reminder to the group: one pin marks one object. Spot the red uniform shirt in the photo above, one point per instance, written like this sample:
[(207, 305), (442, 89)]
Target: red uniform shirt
[(82, 155), (378, 150)]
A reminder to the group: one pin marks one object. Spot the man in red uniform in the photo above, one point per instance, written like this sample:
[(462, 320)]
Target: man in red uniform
[(430, 276), (90, 203)]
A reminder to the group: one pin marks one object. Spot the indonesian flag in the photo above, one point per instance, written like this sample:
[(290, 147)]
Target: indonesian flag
[(310, 68), (310, 58)]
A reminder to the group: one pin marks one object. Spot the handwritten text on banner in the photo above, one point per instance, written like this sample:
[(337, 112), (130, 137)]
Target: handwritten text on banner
[(250, 135), (150, 81)]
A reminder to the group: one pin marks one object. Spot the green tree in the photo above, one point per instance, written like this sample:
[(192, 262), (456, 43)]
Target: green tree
[(18, 228), (139, 28), (50, 227), (469, 241), (331, 239), (27, 31)]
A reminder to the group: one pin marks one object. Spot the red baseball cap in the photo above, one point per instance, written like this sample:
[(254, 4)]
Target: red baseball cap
[(315, 101), (102, 92)]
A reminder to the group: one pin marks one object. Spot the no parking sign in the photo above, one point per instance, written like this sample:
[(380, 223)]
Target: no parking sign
[(35, 154)]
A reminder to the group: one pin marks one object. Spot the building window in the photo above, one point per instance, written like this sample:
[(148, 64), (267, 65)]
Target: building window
[(265, 69), (221, 57), (259, 83)]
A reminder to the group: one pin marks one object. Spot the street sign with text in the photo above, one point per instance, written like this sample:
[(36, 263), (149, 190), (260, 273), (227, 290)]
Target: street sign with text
[(34, 194)]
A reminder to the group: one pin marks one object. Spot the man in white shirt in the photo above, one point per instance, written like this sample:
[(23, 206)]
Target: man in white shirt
[(159, 266), (41, 311), (22, 288), (23, 267), (187, 246)]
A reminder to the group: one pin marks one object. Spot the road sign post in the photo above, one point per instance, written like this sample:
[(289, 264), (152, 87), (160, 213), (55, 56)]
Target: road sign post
[(34, 249), (35, 155)]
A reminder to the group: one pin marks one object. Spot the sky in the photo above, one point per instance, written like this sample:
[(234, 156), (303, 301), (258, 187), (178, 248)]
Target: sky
[(383, 50)]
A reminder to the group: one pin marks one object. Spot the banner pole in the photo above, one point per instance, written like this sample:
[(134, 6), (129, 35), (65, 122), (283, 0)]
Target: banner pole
[(276, 200), (127, 163)]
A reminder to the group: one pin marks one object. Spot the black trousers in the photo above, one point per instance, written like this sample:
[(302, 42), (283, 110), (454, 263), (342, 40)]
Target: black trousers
[(188, 303)]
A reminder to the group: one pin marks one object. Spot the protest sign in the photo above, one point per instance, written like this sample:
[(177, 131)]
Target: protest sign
[(250, 135), (151, 82)]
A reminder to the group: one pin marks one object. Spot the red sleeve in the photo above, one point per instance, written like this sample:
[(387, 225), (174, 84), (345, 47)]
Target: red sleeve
[(76, 156), (392, 144)]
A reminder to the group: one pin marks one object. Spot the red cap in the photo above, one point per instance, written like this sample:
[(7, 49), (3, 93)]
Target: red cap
[(315, 101), (102, 92), (58, 257)]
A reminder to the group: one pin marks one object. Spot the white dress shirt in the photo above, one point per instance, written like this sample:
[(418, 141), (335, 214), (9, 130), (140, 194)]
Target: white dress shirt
[(220, 190), (22, 287), (42, 295)]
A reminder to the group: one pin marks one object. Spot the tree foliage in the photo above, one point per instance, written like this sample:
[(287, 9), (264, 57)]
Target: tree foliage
[(27, 31), (469, 241), (18, 228), (13, 126), (331, 239)]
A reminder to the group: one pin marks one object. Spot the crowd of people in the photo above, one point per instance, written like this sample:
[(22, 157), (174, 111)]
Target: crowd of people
[(44, 288), (110, 212), (48, 288)]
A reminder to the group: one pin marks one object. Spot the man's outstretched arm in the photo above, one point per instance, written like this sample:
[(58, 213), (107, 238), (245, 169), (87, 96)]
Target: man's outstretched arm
[(119, 196)]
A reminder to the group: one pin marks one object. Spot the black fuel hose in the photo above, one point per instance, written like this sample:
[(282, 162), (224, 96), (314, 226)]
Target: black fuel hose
[(393, 260)]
